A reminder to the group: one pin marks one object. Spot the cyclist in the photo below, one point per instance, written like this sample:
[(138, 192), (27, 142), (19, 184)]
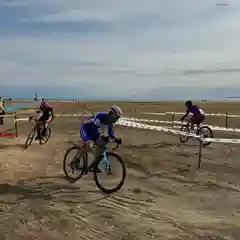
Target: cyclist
[(45, 118), (194, 114), (2, 111), (91, 128)]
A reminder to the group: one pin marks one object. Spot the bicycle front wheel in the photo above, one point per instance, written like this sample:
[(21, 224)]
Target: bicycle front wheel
[(205, 132), (184, 129), (30, 137), (115, 164)]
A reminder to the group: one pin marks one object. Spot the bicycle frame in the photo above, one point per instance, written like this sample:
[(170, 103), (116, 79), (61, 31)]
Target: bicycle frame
[(102, 155), (188, 124), (105, 159)]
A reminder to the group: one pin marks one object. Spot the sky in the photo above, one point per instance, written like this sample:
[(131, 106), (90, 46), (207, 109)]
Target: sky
[(119, 47)]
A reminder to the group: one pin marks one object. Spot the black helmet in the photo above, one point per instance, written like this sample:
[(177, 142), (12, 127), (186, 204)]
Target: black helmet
[(188, 103)]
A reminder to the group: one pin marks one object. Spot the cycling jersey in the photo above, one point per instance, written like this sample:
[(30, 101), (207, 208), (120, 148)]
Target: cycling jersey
[(195, 110), (47, 114), (91, 128)]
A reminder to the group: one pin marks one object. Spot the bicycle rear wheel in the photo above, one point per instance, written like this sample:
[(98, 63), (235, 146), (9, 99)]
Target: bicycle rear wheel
[(96, 173), (77, 164), (202, 132), (184, 129), (30, 137)]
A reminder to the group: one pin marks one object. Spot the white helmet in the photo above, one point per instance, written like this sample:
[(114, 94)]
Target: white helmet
[(117, 111)]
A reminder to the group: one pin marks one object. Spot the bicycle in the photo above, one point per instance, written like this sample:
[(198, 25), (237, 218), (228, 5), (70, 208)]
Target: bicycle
[(38, 126), (94, 166), (199, 132)]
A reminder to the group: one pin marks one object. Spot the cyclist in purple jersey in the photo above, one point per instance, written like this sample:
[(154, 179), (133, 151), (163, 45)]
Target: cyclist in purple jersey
[(194, 113), (46, 116)]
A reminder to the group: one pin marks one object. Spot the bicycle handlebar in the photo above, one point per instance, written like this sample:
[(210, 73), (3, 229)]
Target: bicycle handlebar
[(32, 119), (117, 145), (111, 140)]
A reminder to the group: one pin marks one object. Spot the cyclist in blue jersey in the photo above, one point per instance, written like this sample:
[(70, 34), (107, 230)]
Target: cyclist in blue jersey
[(91, 129), (194, 113)]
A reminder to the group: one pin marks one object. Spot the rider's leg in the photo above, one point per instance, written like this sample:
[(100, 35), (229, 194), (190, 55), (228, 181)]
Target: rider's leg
[(200, 120), (190, 119), (87, 139), (195, 120), (1, 118), (192, 126), (192, 122), (44, 130), (89, 136), (100, 144), (38, 125)]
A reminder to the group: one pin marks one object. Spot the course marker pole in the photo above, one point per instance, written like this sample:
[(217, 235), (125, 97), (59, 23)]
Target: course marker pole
[(226, 120), (200, 153), (173, 118), (16, 124)]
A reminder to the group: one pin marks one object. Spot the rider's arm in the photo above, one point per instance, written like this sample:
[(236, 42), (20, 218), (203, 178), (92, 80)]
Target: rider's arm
[(50, 114), (182, 118), (111, 131)]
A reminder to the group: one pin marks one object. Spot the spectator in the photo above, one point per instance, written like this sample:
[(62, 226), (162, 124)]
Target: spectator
[(2, 112)]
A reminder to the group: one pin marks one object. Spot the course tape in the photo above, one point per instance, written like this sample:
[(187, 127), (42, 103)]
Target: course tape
[(156, 128), (7, 115), (176, 132), (156, 114), (217, 128), (182, 113), (128, 123), (58, 115)]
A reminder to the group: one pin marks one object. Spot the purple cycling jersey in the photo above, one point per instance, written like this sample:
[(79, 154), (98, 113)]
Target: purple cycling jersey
[(195, 110)]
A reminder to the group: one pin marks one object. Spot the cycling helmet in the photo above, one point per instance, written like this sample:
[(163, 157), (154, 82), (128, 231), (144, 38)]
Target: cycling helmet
[(188, 103), (44, 103), (117, 111)]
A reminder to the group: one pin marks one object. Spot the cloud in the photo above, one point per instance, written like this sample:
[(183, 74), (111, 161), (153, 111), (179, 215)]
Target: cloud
[(119, 46), (211, 71)]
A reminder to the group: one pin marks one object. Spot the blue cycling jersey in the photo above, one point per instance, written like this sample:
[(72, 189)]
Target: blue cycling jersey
[(91, 128)]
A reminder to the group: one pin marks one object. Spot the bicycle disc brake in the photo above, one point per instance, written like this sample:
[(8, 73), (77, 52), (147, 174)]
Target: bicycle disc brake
[(75, 165)]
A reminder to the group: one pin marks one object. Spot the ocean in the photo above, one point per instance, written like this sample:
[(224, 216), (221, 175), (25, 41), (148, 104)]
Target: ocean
[(17, 106), (158, 94)]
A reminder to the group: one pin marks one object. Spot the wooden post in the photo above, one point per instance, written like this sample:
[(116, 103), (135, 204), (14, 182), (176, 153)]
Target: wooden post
[(16, 125), (200, 153), (84, 108), (173, 118), (226, 120)]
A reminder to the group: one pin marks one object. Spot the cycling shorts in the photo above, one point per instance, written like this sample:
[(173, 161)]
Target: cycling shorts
[(44, 118), (197, 118), (89, 132)]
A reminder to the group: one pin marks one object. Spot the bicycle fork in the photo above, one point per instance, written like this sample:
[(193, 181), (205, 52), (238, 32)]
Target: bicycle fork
[(106, 161)]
